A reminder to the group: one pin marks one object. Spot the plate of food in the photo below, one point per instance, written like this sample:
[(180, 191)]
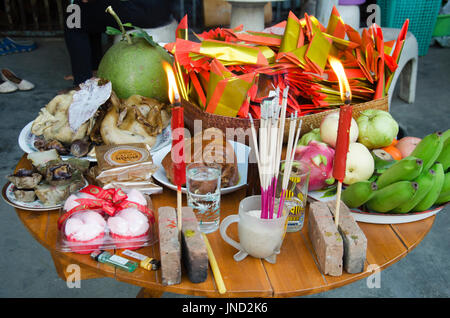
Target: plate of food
[(394, 218), (18, 199), (362, 214), (234, 174), (75, 122), (27, 142), (46, 183)]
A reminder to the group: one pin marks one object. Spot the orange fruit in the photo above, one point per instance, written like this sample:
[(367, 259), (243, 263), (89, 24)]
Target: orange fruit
[(394, 152), (394, 142)]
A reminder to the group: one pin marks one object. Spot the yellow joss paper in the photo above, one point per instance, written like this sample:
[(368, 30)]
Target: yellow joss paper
[(336, 26), (296, 56), (292, 33), (237, 53), (227, 92), (317, 53), (217, 73), (229, 95), (181, 31)]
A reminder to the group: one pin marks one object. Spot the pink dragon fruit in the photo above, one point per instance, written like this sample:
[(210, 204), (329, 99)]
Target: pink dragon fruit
[(319, 157)]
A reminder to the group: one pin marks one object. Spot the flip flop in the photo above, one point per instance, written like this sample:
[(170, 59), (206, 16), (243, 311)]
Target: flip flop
[(21, 84), (7, 87), (9, 46)]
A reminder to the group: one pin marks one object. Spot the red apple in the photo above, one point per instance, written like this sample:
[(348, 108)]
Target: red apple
[(406, 145)]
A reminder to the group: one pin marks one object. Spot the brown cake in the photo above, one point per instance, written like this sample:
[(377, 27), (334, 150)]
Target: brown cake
[(210, 147)]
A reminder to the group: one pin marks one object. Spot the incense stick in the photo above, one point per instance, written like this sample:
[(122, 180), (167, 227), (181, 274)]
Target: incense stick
[(214, 267), (288, 168), (280, 138), (338, 205)]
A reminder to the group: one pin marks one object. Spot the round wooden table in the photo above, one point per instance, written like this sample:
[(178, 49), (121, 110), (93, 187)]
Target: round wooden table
[(294, 274)]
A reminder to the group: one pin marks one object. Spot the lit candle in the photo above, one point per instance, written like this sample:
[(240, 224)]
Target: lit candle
[(179, 165), (343, 136)]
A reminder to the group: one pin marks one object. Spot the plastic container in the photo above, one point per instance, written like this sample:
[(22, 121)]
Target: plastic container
[(351, 2), (442, 27), (89, 223), (422, 15)]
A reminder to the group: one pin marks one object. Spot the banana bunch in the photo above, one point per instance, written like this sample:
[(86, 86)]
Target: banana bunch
[(414, 183)]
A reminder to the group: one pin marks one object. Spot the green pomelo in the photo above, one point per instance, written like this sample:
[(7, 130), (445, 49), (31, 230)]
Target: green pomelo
[(136, 69)]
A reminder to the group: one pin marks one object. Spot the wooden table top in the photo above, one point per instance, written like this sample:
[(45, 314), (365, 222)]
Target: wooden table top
[(294, 274)]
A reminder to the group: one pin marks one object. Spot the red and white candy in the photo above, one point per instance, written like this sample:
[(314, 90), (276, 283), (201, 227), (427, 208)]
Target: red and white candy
[(85, 226)]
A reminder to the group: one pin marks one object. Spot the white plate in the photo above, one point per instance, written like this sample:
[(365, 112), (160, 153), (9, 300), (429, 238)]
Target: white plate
[(27, 139), (242, 151), (382, 218), (8, 196), (377, 217)]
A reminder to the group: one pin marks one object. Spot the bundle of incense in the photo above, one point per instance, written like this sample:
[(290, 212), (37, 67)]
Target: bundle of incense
[(269, 149)]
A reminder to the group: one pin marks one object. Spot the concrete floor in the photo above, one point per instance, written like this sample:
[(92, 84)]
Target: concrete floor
[(26, 268)]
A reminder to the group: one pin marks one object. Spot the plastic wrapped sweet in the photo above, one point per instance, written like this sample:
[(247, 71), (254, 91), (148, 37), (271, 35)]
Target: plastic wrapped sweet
[(96, 218), (128, 225), (71, 200), (125, 166), (87, 228)]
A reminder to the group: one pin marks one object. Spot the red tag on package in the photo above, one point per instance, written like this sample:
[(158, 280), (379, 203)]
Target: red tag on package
[(109, 201)]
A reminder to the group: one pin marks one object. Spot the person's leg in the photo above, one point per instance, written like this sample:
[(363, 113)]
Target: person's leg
[(78, 43), (96, 50), (79, 47), (84, 44)]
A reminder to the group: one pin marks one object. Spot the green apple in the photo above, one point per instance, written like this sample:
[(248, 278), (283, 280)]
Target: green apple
[(376, 128)]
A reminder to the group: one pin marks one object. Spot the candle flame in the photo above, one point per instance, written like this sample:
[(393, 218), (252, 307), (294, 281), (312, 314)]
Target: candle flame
[(174, 95), (344, 86)]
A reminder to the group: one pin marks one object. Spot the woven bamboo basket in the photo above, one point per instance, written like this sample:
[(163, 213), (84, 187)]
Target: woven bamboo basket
[(238, 128)]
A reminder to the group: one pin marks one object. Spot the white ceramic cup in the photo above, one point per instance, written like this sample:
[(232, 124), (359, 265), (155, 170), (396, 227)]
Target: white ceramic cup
[(260, 238)]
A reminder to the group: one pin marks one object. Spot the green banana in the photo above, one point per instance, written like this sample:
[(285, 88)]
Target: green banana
[(428, 149), (444, 196), (446, 135), (431, 197), (358, 193), (424, 181), (392, 196), (444, 156), (406, 169), (381, 158)]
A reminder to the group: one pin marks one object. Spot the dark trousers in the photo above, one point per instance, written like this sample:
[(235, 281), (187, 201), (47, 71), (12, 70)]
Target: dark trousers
[(84, 44)]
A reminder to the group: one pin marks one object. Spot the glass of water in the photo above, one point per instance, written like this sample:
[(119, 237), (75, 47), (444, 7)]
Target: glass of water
[(296, 194), (203, 194)]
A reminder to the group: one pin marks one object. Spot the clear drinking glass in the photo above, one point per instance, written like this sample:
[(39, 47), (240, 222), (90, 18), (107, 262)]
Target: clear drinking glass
[(203, 194), (296, 194)]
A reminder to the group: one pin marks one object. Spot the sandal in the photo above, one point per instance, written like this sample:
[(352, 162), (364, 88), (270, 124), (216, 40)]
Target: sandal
[(21, 84), (9, 46), (7, 87)]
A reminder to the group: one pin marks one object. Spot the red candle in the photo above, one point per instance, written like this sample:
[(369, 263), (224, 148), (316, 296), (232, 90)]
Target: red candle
[(179, 165), (177, 124), (345, 120), (342, 142)]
